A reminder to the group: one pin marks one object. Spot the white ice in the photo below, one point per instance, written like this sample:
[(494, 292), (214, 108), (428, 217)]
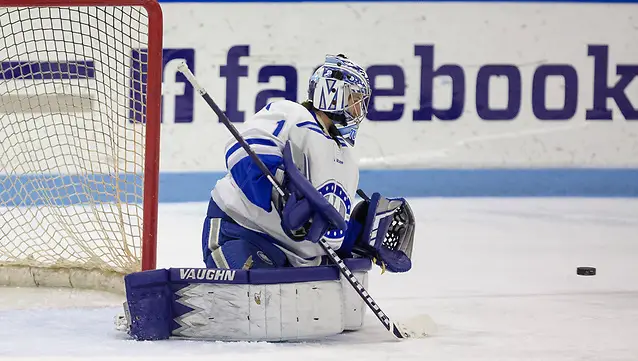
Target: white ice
[(498, 276)]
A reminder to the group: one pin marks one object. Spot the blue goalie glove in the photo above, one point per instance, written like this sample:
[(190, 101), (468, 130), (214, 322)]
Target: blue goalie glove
[(306, 215), (384, 232)]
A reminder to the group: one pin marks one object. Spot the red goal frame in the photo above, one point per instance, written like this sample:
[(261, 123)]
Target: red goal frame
[(153, 109)]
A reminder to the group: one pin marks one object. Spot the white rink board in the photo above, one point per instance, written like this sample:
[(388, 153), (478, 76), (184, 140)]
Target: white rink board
[(470, 35)]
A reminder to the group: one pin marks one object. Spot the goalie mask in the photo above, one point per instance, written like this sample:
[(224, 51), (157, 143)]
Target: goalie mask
[(340, 88)]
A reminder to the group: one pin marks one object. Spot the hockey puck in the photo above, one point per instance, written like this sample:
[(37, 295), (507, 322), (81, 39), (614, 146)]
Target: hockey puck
[(586, 271)]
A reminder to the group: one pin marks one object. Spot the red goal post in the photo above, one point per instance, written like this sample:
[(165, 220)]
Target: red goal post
[(80, 107)]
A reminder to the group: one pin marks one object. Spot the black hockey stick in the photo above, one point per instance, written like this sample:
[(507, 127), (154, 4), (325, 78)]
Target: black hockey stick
[(397, 331)]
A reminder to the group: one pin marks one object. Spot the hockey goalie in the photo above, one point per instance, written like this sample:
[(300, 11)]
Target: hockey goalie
[(265, 277)]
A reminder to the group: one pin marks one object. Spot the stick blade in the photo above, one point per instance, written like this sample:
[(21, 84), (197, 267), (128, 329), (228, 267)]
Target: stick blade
[(419, 326)]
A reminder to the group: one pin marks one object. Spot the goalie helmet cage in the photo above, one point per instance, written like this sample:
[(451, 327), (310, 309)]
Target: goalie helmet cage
[(80, 92)]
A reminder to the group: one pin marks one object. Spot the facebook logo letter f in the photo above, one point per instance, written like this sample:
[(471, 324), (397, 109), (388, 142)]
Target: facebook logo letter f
[(177, 93), (232, 71)]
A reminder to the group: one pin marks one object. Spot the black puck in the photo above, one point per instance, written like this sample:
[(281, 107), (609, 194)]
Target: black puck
[(586, 271)]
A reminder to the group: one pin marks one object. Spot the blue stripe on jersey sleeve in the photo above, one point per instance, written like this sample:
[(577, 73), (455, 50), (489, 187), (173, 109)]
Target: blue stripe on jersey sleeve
[(308, 123), (252, 182), (260, 141), (317, 130), (314, 127)]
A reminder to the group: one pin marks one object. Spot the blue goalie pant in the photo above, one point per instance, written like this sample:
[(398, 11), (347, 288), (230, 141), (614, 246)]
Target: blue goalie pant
[(226, 244)]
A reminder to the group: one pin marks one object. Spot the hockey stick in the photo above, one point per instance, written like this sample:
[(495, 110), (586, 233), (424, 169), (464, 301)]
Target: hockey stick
[(397, 331)]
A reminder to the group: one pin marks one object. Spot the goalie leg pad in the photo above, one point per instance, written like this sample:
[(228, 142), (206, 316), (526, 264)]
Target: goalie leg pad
[(284, 304), (148, 306)]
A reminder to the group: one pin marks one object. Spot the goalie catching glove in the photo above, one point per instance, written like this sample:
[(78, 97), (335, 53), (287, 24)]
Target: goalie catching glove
[(383, 229)]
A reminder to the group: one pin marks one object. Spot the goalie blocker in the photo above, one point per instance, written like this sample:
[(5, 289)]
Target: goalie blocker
[(288, 303)]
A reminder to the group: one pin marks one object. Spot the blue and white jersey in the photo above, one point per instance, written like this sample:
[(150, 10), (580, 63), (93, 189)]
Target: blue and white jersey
[(245, 194)]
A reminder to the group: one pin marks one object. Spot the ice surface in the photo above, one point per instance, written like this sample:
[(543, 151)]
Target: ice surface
[(498, 276)]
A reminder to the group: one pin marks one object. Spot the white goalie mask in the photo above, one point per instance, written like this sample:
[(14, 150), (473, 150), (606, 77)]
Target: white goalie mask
[(340, 88)]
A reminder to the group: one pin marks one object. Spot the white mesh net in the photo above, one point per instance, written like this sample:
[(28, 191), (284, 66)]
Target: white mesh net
[(72, 137)]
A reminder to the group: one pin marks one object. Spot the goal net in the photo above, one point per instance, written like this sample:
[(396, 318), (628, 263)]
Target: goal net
[(80, 87)]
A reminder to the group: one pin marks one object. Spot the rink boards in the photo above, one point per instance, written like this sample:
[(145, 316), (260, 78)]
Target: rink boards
[(457, 85), (470, 98)]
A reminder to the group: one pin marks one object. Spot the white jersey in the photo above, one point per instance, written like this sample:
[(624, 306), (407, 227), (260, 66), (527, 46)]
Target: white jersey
[(331, 168)]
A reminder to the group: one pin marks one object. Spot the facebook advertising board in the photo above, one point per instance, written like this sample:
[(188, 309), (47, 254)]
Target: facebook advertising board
[(456, 85)]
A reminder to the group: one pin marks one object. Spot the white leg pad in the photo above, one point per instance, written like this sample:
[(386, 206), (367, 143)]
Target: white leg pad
[(244, 305), (353, 305), (289, 311)]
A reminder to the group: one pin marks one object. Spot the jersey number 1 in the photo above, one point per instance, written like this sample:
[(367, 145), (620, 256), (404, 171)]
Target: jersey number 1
[(280, 126)]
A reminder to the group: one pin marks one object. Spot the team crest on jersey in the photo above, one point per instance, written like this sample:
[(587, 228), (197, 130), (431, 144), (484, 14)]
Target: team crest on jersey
[(336, 195)]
